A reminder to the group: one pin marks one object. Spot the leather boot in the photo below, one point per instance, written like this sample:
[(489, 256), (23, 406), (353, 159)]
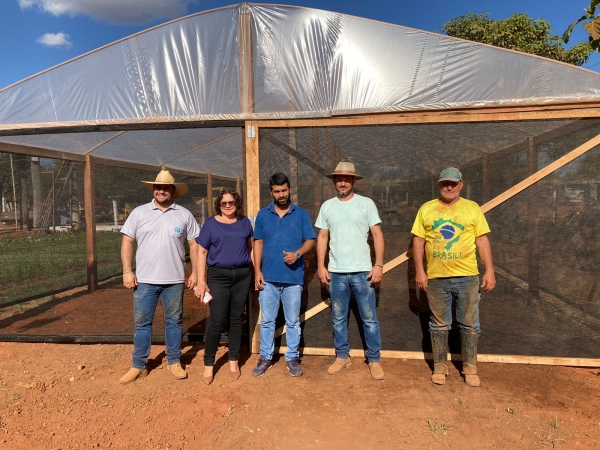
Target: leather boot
[(468, 347), (439, 348)]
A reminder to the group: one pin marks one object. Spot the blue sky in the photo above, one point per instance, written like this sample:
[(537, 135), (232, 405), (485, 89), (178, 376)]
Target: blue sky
[(39, 34)]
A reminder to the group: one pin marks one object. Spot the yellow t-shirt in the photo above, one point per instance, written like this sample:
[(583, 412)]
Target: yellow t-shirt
[(449, 233)]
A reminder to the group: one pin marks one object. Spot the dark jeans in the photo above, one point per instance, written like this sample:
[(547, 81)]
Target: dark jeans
[(229, 288)]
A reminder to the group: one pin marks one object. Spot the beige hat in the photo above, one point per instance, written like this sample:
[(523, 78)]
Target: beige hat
[(165, 177), (344, 168)]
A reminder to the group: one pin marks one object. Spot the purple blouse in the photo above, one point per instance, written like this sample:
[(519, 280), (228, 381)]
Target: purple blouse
[(227, 243)]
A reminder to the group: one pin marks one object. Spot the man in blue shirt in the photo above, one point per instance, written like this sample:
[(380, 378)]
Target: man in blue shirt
[(283, 233)]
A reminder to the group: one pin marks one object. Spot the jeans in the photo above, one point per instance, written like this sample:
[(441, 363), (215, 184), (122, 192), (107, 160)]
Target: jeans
[(441, 292), (339, 290), (230, 289), (145, 299), (290, 295)]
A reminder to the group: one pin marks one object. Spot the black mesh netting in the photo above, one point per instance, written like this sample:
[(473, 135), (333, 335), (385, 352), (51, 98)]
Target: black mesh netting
[(544, 240), (43, 260)]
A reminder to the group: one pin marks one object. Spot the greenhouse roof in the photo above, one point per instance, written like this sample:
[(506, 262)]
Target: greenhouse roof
[(245, 62)]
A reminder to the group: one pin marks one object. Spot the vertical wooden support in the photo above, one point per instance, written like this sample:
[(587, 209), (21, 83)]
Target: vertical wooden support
[(252, 193), (238, 186), (533, 251), (332, 162), (293, 165), (485, 179), (318, 187), (90, 226), (245, 58), (209, 195)]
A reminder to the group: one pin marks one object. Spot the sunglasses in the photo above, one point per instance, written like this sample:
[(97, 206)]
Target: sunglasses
[(227, 203)]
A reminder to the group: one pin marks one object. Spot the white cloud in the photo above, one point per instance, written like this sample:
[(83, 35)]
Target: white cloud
[(113, 11), (55, 40)]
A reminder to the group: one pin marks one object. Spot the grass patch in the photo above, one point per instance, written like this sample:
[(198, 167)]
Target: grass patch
[(434, 426), (31, 266)]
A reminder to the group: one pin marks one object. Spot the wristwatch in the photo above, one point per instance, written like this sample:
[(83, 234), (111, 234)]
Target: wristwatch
[(297, 255)]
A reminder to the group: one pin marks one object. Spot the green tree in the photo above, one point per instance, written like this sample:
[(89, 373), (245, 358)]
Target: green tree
[(518, 32), (592, 27)]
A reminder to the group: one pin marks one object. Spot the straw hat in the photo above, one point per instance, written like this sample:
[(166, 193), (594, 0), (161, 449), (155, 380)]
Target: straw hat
[(165, 177), (344, 168)]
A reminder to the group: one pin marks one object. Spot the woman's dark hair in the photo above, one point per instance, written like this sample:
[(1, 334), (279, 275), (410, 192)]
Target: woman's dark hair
[(279, 179), (239, 204)]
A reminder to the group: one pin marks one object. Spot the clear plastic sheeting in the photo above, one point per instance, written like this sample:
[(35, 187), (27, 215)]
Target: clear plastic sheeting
[(266, 61), (201, 150), (186, 68)]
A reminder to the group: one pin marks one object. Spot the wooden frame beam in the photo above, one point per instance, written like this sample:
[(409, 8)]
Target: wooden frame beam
[(90, 225), (252, 203), (471, 115), (505, 359), (296, 154)]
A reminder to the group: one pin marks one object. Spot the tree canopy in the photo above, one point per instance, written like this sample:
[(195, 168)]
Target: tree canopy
[(518, 32), (592, 27)]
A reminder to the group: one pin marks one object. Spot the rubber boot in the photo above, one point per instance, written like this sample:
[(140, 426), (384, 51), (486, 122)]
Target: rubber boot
[(439, 348), (468, 347)]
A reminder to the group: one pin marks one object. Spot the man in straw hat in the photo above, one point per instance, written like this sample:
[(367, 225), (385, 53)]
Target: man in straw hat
[(447, 231), (160, 229), (344, 223)]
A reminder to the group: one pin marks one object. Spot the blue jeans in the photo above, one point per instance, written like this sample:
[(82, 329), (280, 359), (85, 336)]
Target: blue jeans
[(339, 290), (290, 296), (145, 299), (441, 292)]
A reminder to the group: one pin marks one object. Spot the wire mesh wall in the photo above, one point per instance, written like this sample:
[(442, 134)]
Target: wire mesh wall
[(546, 302), (43, 256), (544, 239)]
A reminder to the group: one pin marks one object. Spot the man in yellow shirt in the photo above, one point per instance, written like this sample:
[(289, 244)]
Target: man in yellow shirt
[(447, 232)]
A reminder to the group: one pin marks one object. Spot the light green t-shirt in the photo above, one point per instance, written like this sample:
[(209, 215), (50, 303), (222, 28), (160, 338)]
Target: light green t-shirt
[(348, 224), (449, 233)]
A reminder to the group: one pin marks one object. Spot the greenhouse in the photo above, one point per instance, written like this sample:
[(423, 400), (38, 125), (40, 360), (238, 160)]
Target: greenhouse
[(227, 97)]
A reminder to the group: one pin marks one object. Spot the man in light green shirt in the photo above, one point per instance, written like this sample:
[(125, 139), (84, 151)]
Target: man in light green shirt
[(345, 222)]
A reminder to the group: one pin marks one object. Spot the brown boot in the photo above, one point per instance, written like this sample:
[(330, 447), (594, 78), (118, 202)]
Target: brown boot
[(470, 373), (468, 347), (338, 365), (132, 375), (439, 349), (376, 371), (177, 371)]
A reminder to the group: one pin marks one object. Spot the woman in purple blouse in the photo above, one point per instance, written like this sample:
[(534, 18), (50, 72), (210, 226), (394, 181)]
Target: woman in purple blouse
[(225, 245)]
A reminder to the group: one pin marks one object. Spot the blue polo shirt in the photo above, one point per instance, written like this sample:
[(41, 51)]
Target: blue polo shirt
[(282, 233)]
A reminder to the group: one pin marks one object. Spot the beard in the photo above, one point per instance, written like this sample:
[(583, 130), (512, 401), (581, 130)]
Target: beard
[(345, 194), (283, 201)]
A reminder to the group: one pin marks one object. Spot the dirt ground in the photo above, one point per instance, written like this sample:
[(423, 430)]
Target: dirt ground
[(67, 396)]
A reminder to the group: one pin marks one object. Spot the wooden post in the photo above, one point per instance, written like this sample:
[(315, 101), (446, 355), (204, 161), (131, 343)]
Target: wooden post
[(252, 193), (332, 156), (238, 186), (318, 188), (90, 226), (245, 58), (293, 166), (209, 195), (533, 251), (36, 185), (485, 179)]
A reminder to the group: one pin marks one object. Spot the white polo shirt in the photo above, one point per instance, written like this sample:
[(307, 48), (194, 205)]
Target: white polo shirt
[(160, 235)]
